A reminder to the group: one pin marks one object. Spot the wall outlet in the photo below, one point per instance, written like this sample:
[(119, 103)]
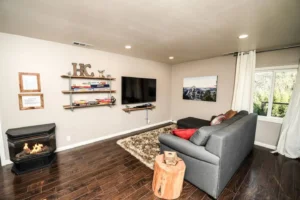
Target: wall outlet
[(68, 138), (148, 121)]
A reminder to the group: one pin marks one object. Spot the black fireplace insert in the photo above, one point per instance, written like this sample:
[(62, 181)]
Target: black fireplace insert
[(31, 147)]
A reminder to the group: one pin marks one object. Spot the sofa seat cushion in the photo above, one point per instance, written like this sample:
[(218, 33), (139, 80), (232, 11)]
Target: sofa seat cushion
[(188, 148), (191, 122)]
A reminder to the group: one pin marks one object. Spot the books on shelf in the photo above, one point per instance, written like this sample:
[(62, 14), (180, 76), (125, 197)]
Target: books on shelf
[(92, 102), (104, 101), (82, 89), (100, 86), (101, 89), (91, 86)]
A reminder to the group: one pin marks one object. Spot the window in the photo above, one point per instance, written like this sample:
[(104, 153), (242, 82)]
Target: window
[(272, 91)]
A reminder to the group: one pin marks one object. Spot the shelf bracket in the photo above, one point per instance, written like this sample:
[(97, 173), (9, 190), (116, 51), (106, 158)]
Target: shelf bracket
[(70, 88)]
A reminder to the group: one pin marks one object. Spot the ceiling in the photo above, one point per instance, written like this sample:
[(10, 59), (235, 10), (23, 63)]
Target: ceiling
[(156, 29)]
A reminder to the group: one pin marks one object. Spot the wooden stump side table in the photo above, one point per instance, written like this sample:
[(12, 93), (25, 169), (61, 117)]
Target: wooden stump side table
[(167, 179)]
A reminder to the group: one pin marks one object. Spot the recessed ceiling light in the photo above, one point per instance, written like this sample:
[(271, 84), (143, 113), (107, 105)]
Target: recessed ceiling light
[(128, 47), (171, 57), (243, 36)]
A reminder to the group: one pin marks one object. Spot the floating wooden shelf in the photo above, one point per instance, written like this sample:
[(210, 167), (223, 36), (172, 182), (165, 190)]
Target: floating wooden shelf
[(135, 109), (87, 77), (71, 92), (70, 107), (82, 92)]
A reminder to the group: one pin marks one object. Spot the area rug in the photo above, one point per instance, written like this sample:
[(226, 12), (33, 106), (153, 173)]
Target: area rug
[(145, 146)]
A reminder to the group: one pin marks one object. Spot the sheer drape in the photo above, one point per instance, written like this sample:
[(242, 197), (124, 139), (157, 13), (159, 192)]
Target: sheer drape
[(289, 141), (244, 77)]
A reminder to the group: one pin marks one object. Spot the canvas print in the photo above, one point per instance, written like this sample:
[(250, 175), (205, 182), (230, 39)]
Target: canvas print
[(200, 88)]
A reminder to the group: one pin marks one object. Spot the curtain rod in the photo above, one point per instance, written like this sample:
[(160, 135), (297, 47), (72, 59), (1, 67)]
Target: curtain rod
[(268, 50)]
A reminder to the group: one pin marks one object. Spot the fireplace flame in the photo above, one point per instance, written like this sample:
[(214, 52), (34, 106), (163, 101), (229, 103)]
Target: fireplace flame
[(35, 149), (25, 146)]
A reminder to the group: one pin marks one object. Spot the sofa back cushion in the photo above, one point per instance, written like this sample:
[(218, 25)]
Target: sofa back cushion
[(237, 117), (201, 136)]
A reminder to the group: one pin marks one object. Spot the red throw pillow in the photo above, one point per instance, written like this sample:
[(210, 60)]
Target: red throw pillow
[(184, 133)]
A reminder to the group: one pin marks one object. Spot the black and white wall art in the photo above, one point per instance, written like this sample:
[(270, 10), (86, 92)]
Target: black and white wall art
[(200, 88)]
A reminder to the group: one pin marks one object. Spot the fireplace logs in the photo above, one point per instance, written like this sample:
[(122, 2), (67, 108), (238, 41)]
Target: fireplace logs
[(36, 149)]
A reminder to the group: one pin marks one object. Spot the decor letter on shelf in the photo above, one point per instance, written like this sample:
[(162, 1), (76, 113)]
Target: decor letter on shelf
[(82, 70)]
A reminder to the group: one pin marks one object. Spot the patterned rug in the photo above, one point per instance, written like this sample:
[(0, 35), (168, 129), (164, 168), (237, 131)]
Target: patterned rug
[(145, 146)]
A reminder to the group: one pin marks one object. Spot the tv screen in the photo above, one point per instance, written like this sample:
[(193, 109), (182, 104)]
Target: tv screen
[(138, 90)]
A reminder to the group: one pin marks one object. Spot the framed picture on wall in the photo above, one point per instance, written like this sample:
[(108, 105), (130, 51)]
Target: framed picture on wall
[(31, 101), (29, 82), (200, 88)]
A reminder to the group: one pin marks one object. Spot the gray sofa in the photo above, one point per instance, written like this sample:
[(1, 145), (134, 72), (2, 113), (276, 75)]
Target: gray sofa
[(211, 164)]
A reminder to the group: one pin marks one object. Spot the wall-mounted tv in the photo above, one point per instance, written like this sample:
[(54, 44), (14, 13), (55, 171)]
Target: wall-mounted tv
[(138, 90)]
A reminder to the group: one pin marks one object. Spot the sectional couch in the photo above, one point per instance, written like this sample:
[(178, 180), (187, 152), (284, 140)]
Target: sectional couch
[(214, 153)]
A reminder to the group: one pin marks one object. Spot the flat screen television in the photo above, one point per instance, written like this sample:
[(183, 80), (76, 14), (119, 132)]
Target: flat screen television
[(138, 90)]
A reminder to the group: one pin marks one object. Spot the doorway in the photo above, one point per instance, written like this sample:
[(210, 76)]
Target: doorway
[(2, 151)]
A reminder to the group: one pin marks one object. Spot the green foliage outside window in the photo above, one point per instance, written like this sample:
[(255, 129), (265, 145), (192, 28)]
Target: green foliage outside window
[(283, 87)]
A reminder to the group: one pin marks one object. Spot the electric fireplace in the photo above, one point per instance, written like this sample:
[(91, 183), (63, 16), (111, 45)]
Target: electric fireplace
[(31, 147)]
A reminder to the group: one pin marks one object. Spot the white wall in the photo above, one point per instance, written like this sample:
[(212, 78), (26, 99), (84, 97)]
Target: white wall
[(51, 60), (223, 67)]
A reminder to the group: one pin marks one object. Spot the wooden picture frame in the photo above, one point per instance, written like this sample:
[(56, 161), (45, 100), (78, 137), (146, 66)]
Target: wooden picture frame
[(31, 101), (29, 82)]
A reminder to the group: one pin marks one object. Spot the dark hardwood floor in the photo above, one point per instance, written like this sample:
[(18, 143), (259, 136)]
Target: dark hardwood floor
[(104, 170)]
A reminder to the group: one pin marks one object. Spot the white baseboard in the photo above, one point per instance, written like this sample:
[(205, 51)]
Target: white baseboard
[(268, 146), (108, 136), (5, 162)]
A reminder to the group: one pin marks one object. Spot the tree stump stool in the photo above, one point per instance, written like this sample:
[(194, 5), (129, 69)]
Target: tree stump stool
[(167, 180)]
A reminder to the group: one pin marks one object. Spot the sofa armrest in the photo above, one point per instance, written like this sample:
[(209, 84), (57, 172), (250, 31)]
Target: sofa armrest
[(232, 144), (214, 145), (186, 147), (233, 139)]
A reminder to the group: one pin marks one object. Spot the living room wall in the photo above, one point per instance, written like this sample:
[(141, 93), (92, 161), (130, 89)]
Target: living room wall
[(223, 67), (51, 60)]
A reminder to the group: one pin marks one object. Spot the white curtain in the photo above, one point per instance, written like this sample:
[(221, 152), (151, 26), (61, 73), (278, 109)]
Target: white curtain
[(244, 77), (289, 141)]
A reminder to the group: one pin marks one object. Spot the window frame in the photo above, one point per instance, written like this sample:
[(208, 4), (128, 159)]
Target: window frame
[(274, 69)]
